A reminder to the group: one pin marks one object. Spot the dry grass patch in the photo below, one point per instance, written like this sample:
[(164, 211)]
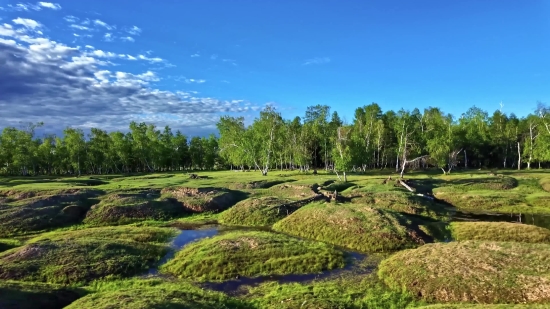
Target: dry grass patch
[(203, 199), (472, 271), (499, 231)]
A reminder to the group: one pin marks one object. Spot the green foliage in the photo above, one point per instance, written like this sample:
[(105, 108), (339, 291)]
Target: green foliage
[(251, 254), (472, 271)]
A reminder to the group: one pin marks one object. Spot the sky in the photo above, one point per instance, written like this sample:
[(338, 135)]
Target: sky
[(185, 63)]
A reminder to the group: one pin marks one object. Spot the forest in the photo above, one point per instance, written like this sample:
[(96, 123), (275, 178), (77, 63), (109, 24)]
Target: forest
[(374, 139)]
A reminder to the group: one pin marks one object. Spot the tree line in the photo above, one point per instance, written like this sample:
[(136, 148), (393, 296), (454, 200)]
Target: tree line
[(321, 139)]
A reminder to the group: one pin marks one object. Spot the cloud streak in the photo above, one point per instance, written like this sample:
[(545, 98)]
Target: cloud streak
[(317, 60), (35, 7)]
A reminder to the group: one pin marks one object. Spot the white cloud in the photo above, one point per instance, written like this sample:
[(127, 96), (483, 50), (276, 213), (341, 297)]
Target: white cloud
[(214, 57), (135, 30), (317, 60), (103, 24), (195, 55), (35, 7), (71, 19), (49, 5), (44, 80), (79, 27), (108, 37), (128, 39), (27, 23), (233, 62)]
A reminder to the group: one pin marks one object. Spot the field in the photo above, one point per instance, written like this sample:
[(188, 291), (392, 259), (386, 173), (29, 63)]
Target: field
[(288, 240)]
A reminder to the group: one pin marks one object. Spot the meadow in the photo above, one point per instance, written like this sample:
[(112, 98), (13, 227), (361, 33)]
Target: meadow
[(236, 239)]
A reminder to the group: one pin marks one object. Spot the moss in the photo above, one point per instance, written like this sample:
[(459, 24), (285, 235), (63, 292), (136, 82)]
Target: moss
[(129, 233), (251, 254), (499, 231), (472, 271), (263, 211), (145, 294), (24, 295), (358, 227)]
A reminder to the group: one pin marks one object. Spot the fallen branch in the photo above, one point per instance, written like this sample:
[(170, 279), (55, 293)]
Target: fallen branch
[(405, 185)]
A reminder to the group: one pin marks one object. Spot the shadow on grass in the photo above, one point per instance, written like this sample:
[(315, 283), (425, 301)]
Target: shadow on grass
[(13, 296)]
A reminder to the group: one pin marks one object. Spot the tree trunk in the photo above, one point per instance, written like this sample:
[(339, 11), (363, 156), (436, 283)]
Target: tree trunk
[(465, 159), (519, 157), (345, 177)]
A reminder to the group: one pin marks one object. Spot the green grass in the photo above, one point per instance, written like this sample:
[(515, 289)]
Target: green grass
[(347, 292), (354, 226), (499, 231), (145, 294), (264, 211), (474, 306), (76, 257), (23, 295), (125, 208), (8, 243), (472, 271), (32, 212), (251, 254)]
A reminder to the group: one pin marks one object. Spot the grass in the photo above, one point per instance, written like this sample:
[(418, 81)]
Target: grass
[(359, 227), (145, 294), (24, 213), (125, 208), (204, 199), (264, 211), (472, 271), (76, 257), (8, 243), (499, 231), (251, 254), (347, 292), (475, 306), (23, 295)]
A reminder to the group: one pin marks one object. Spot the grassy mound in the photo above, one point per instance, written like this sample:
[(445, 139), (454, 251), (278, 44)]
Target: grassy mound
[(6, 244), (23, 295), (128, 233), (203, 199), (483, 183), (359, 227), (29, 211), (293, 192), (256, 212), (499, 231), (145, 294), (251, 254), (485, 201), (80, 256), (545, 184), (472, 271), (399, 201), (128, 208)]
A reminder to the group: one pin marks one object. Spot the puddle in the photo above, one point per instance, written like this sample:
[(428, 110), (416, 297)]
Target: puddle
[(236, 287), (185, 237), (531, 219)]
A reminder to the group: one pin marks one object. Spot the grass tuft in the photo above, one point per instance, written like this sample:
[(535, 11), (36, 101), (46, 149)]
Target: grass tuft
[(264, 211), (499, 231)]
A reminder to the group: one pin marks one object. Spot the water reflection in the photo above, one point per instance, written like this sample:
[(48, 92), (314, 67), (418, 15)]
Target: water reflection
[(531, 219)]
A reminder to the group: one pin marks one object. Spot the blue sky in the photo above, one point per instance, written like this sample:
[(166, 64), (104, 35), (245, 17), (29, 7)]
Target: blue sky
[(185, 63)]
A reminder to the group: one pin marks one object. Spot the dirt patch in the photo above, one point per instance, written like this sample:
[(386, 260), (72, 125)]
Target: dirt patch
[(294, 191), (202, 199), (232, 244), (32, 251)]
